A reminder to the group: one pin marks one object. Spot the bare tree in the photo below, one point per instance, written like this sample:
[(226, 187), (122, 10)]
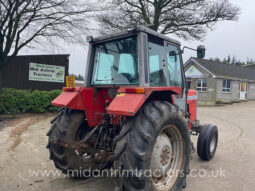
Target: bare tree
[(35, 22), (188, 19)]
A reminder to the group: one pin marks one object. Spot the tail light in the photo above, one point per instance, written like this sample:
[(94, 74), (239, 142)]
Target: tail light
[(67, 89), (135, 90)]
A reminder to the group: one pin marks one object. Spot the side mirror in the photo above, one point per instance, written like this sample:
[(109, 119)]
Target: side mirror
[(201, 51)]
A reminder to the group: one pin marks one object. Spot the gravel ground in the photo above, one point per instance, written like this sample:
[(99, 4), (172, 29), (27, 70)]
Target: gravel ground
[(23, 154)]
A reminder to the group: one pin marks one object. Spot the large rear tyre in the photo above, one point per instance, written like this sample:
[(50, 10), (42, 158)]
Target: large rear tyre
[(154, 149), (207, 142), (70, 125)]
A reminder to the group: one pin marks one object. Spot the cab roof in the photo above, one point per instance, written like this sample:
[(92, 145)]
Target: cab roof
[(134, 30)]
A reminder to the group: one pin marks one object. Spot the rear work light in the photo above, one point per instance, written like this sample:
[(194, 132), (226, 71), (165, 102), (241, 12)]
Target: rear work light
[(67, 89)]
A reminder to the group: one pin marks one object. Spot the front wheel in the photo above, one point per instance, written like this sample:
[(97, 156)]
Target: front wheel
[(207, 142), (155, 149)]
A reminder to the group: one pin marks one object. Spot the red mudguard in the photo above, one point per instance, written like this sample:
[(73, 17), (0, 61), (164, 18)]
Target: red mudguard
[(126, 104), (72, 100)]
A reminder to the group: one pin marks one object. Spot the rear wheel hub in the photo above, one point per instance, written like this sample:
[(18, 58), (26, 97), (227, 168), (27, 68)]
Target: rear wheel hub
[(161, 154), (167, 158)]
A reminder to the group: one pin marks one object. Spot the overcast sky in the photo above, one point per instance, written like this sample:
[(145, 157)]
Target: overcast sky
[(228, 38)]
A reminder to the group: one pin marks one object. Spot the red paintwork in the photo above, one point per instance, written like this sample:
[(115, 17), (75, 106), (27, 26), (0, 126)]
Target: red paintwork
[(149, 90), (72, 100), (90, 100), (94, 101), (126, 104), (129, 103), (172, 98), (95, 104), (192, 105)]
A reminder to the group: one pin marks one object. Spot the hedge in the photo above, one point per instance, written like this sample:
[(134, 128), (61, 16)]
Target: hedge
[(14, 101)]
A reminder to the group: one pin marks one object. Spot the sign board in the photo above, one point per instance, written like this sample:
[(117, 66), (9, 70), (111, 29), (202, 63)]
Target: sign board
[(193, 72), (70, 81), (46, 73)]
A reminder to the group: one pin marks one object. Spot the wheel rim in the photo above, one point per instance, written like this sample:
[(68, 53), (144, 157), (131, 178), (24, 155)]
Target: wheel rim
[(213, 143), (167, 158)]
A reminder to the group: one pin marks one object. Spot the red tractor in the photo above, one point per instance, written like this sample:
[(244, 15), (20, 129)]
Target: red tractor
[(134, 114)]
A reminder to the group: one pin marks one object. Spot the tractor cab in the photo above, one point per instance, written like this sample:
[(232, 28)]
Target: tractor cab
[(138, 57)]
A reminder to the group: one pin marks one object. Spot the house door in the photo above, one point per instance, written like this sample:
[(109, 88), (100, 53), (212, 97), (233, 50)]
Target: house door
[(243, 90)]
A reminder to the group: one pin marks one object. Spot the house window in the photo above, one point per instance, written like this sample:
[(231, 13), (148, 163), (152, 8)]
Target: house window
[(226, 86), (201, 85)]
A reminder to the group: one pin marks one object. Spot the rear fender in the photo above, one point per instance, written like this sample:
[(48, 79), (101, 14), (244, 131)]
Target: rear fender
[(72, 100), (128, 103)]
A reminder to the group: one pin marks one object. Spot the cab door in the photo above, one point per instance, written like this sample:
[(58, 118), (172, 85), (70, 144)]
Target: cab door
[(176, 74), (157, 62)]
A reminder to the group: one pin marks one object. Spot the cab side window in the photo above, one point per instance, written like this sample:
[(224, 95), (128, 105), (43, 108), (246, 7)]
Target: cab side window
[(156, 59), (174, 66)]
